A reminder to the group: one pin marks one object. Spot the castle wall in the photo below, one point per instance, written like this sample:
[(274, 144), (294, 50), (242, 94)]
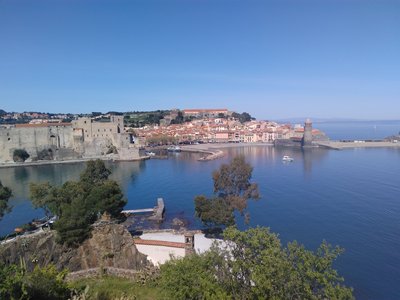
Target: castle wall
[(81, 138), (33, 138)]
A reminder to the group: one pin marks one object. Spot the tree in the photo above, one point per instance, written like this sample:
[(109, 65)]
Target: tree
[(5, 195), (232, 190), (20, 155), (44, 196), (252, 264), (179, 119), (243, 117), (73, 227), (107, 197), (214, 211), (95, 172), (79, 204)]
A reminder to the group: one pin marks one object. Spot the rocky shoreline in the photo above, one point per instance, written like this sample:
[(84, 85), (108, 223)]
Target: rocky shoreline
[(110, 245)]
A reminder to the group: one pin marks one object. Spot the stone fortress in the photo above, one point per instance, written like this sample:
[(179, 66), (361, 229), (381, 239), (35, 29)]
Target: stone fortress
[(80, 139)]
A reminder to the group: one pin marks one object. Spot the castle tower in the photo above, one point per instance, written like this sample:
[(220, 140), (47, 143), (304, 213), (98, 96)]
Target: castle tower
[(189, 243), (307, 137)]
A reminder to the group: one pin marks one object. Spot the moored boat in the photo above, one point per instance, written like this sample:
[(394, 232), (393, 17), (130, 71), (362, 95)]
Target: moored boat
[(287, 158), (174, 148)]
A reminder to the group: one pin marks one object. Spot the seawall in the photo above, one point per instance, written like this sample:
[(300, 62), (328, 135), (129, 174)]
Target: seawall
[(339, 145)]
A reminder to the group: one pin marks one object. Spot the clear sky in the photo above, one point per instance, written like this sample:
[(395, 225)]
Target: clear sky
[(273, 59)]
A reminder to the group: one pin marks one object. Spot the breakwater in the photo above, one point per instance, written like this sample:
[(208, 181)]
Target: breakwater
[(338, 145), (209, 154)]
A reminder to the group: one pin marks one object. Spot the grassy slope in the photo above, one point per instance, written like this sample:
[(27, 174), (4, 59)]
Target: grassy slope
[(108, 287)]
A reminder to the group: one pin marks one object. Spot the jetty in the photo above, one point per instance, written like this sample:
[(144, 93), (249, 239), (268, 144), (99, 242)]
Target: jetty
[(157, 211), (209, 154), (348, 144)]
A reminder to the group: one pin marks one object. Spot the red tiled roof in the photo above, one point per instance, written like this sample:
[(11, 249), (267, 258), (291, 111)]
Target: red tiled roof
[(42, 125), (159, 243)]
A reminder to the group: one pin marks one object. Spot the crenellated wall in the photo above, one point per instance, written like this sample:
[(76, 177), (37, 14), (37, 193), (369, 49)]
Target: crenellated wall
[(83, 137)]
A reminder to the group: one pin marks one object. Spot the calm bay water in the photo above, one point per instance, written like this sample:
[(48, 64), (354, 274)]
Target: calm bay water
[(350, 198), (359, 130)]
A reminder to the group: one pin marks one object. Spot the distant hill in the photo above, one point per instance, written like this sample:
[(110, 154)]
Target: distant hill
[(299, 120), (2, 112)]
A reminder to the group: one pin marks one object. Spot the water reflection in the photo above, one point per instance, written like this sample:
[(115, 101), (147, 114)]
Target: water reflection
[(18, 178), (258, 155), (126, 172)]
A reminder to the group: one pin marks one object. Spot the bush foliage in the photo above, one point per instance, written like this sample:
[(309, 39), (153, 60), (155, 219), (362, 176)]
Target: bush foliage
[(253, 264), (20, 155), (42, 283), (79, 204)]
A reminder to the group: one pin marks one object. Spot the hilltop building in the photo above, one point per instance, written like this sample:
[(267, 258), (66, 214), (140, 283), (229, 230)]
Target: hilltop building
[(205, 113)]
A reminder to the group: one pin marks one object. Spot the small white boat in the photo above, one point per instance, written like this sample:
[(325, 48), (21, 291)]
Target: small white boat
[(149, 153), (174, 149), (287, 158)]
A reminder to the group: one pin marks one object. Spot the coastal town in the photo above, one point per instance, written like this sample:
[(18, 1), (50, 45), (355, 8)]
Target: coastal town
[(38, 138), (45, 136), (220, 126)]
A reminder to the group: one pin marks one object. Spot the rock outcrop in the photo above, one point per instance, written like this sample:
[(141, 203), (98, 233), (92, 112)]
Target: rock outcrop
[(111, 245)]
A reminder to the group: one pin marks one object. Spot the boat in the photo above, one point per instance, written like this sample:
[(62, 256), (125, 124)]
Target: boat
[(287, 158), (150, 153), (174, 149)]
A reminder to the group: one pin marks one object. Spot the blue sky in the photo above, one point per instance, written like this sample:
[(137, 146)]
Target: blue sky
[(273, 59)]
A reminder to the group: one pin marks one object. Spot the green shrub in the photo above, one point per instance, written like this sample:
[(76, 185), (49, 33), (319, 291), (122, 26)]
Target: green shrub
[(42, 283), (45, 154), (20, 155)]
